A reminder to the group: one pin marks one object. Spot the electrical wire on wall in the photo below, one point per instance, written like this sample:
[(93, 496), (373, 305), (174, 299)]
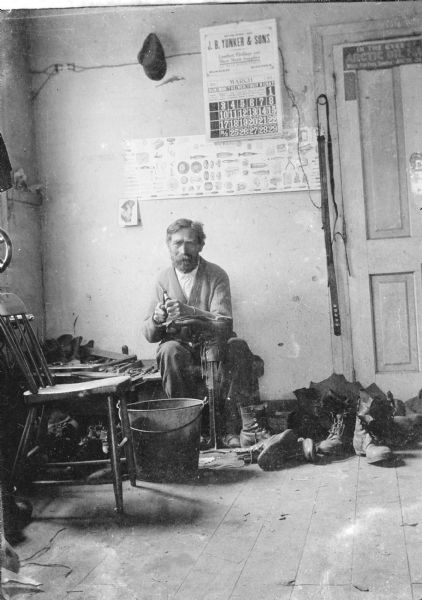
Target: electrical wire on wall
[(322, 101), (343, 233), (292, 99), (56, 68)]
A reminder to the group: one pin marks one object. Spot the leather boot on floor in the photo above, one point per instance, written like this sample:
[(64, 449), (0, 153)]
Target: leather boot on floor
[(277, 445), (367, 438), (406, 425), (405, 429), (282, 447), (254, 429), (333, 444)]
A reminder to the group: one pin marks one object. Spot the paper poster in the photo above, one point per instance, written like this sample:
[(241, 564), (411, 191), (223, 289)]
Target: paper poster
[(416, 173), (128, 212), (241, 79), (192, 166)]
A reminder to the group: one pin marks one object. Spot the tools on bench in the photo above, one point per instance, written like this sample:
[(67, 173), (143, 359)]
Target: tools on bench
[(100, 364)]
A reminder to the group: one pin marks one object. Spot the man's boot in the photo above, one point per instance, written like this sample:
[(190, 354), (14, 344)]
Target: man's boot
[(372, 421), (405, 429), (340, 434), (333, 444), (231, 424), (254, 428), (273, 452), (282, 447), (406, 425)]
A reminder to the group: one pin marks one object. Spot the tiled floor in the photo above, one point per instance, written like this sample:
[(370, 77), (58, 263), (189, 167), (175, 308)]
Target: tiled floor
[(334, 530)]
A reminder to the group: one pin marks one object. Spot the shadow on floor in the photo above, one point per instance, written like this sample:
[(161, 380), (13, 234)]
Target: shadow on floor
[(224, 476), (154, 510)]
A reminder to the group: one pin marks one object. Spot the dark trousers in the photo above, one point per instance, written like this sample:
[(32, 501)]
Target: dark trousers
[(237, 376)]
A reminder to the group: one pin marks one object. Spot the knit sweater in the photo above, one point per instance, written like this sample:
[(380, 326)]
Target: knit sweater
[(210, 292)]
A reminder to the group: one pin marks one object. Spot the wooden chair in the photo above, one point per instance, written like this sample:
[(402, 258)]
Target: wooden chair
[(43, 394)]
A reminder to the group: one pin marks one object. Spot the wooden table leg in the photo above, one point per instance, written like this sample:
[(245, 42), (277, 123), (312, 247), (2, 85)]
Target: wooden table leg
[(115, 454), (128, 446), (23, 444)]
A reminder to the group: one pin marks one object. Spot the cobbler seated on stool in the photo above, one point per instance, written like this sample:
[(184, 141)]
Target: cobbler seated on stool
[(193, 289)]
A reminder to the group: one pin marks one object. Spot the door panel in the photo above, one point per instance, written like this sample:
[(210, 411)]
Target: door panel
[(380, 126), (393, 301), (382, 153)]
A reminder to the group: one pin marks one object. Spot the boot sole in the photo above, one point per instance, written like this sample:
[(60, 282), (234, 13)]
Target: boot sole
[(273, 455), (386, 456)]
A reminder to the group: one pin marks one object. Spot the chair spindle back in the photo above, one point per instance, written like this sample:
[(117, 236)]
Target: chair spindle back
[(22, 343)]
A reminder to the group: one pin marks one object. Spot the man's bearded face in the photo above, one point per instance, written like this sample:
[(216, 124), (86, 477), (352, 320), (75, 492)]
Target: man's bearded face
[(184, 250)]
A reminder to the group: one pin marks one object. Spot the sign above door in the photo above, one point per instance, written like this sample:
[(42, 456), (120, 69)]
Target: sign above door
[(378, 55), (382, 55)]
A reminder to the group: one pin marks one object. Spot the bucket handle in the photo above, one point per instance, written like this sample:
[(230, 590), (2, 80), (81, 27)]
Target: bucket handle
[(170, 430)]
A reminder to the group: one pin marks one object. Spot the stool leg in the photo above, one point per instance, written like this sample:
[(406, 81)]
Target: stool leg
[(212, 392), (114, 455), (23, 443), (130, 457)]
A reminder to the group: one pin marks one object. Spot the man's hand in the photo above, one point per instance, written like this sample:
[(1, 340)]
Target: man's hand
[(160, 314), (176, 309)]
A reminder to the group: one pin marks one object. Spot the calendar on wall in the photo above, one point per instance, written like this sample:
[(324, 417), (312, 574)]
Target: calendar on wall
[(241, 80)]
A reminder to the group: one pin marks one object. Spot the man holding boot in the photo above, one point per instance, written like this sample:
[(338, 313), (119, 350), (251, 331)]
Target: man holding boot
[(191, 301)]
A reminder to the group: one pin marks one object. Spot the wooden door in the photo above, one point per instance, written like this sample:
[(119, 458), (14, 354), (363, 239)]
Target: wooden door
[(379, 115)]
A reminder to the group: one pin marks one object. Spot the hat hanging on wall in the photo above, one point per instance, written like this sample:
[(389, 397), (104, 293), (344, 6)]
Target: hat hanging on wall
[(151, 56)]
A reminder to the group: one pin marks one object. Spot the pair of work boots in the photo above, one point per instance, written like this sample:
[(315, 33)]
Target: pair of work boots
[(367, 439), (376, 429), (254, 428)]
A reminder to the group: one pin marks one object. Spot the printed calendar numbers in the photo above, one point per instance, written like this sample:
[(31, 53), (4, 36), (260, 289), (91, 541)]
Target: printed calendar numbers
[(245, 117)]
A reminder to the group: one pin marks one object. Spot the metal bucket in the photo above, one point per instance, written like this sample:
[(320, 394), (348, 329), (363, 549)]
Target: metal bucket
[(166, 437)]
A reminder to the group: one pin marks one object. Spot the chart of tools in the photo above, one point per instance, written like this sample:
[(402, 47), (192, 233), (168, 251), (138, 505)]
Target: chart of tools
[(192, 166)]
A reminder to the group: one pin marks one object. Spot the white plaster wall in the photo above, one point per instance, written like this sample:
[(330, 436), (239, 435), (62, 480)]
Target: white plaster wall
[(98, 276), (16, 120), (19, 210)]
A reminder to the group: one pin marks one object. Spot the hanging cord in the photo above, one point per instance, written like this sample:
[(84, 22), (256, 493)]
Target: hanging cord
[(57, 68), (343, 236), (292, 98), (322, 101)]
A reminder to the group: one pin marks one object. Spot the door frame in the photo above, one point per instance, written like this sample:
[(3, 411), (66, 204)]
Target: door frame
[(324, 38)]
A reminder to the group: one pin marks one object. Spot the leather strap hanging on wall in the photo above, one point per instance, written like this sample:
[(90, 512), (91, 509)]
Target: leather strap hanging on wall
[(5, 167), (322, 100)]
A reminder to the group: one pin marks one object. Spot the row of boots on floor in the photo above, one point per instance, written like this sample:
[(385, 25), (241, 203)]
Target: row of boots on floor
[(333, 418)]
